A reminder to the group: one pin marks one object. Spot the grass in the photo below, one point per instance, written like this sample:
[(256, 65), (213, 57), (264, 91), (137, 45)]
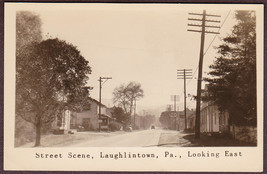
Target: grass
[(215, 140), (64, 140)]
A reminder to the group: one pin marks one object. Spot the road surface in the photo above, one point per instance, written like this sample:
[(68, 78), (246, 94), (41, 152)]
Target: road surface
[(145, 138)]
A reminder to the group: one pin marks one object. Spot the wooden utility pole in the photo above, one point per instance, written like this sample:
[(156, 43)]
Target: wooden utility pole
[(184, 74), (134, 112), (203, 31), (174, 98), (99, 107)]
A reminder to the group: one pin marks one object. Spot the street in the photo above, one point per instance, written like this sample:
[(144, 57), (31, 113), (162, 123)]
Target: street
[(144, 138)]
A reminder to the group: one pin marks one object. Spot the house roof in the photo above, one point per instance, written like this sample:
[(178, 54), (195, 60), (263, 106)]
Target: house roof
[(94, 100), (104, 115)]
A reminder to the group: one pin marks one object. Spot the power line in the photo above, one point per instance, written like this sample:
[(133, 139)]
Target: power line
[(193, 75), (204, 22), (217, 34)]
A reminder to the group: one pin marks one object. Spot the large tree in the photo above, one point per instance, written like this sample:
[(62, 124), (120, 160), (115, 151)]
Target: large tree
[(28, 28), (126, 95), (232, 85), (51, 76)]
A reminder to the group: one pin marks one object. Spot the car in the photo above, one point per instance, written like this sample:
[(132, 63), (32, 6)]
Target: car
[(152, 127)]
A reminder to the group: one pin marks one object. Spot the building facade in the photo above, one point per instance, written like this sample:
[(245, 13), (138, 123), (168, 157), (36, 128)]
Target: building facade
[(89, 118), (213, 120)]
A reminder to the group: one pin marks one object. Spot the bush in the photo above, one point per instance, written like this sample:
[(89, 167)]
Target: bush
[(114, 126)]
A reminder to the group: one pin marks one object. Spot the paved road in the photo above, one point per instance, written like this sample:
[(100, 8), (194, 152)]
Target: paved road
[(132, 139)]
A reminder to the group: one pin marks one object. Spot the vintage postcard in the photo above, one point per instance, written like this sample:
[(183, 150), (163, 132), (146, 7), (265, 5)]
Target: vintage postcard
[(133, 87)]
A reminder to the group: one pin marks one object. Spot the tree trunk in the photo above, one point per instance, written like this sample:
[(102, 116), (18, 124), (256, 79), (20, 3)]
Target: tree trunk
[(38, 132)]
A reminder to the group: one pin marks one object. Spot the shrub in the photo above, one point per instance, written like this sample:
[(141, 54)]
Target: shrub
[(114, 126)]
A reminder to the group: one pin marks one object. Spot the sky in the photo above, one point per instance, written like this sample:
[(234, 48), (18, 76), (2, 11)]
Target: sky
[(142, 43)]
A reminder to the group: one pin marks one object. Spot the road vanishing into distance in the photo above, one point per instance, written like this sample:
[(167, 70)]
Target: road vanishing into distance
[(144, 138)]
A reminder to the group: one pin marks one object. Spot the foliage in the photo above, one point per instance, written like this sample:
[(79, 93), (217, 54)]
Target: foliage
[(120, 115), (114, 126), (233, 83), (50, 77), (165, 119), (125, 95), (28, 28)]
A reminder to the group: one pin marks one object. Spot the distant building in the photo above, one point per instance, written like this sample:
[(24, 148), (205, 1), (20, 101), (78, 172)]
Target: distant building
[(181, 119), (174, 120), (143, 122), (88, 118)]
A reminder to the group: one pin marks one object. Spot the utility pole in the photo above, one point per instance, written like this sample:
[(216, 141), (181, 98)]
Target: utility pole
[(134, 112), (202, 31), (174, 98), (184, 74), (100, 87)]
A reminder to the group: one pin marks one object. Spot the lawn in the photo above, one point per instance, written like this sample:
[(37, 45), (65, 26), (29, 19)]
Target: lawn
[(64, 140)]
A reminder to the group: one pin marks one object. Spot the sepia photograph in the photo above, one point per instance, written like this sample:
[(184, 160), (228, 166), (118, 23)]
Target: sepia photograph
[(134, 82)]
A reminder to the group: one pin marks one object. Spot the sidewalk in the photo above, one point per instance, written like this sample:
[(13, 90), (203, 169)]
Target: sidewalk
[(211, 141), (170, 138), (63, 140)]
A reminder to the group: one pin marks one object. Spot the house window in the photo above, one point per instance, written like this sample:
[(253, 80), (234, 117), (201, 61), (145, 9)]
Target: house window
[(104, 121)]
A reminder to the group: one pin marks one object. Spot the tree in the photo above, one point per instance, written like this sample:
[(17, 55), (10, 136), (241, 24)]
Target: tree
[(51, 77), (232, 85), (28, 28), (125, 95), (120, 115)]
